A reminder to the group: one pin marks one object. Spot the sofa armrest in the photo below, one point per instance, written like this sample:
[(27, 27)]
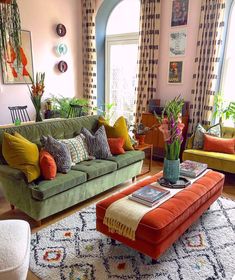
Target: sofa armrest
[(7, 171)]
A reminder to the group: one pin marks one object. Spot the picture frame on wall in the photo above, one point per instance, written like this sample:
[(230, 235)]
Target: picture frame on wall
[(177, 43), (179, 14), (175, 72), (10, 73)]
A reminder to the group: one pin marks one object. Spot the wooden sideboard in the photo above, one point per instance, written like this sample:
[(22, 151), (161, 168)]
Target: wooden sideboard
[(155, 136)]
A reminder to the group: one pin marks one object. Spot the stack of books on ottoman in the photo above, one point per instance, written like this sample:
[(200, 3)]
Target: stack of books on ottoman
[(192, 169), (149, 195)]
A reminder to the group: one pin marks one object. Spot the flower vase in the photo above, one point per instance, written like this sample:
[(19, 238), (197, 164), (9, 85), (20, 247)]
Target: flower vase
[(171, 170), (140, 138), (38, 117)]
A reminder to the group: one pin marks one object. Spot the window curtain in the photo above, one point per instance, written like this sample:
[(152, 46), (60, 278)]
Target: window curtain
[(207, 60), (149, 34), (89, 53)]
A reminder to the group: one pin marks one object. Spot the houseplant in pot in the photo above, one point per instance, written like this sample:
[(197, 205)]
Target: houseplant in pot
[(171, 127)]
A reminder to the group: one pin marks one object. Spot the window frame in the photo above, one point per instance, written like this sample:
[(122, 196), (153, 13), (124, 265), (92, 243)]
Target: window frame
[(116, 39), (225, 60)]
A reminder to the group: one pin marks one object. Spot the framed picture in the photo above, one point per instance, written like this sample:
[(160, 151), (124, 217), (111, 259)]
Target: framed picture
[(179, 15), (175, 72), (10, 73), (177, 43)]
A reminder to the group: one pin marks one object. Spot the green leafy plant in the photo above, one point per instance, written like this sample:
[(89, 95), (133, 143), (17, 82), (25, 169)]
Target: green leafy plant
[(171, 127), (61, 104), (223, 109), (10, 29), (106, 110)]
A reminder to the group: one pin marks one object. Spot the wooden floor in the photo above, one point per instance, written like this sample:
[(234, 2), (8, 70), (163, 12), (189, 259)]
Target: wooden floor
[(7, 213)]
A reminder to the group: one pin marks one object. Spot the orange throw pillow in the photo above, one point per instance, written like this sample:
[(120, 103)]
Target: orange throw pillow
[(220, 145), (47, 165), (116, 145)]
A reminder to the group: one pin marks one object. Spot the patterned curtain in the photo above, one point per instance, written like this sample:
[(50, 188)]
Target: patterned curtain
[(207, 62), (148, 54), (89, 53)]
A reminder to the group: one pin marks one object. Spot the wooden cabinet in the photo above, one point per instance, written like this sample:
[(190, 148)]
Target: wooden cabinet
[(155, 136)]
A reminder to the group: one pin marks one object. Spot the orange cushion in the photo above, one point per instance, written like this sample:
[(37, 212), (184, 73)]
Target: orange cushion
[(47, 165), (116, 145), (220, 145)]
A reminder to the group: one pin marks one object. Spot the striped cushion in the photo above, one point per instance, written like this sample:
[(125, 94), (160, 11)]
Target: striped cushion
[(77, 148), (98, 143)]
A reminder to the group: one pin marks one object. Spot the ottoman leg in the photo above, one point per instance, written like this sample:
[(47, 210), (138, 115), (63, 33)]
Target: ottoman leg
[(133, 179)]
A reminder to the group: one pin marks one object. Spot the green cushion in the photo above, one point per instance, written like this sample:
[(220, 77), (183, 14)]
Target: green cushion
[(62, 182), (95, 168), (128, 158)]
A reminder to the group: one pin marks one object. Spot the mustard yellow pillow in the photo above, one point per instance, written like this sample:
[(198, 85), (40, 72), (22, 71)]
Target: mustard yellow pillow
[(118, 130), (21, 154)]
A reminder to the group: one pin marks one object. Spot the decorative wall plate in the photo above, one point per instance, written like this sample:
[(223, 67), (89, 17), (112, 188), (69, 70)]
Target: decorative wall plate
[(60, 29), (61, 49), (62, 66)]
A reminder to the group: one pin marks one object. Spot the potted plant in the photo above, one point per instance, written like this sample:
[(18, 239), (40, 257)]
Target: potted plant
[(10, 28), (140, 131), (171, 126)]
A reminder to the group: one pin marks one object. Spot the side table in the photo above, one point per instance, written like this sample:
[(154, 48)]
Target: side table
[(144, 147)]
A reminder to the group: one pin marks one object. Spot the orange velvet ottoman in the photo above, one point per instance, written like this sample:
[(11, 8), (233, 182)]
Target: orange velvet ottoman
[(162, 226)]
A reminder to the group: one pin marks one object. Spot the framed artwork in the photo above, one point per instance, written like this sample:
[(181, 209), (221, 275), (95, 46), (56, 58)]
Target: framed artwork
[(10, 73), (177, 43), (179, 15), (175, 72)]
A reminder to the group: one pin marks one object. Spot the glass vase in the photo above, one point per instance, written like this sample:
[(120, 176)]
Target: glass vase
[(171, 170), (38, 117)]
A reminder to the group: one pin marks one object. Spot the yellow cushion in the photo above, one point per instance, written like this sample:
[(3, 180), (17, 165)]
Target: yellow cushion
[(21, 154), (118, 130)]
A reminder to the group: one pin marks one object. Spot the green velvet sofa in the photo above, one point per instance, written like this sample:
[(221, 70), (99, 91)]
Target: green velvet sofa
[(218, 161), (43, 198)]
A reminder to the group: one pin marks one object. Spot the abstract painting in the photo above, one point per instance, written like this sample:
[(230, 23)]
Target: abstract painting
[(18, 75), (175, 72), (177, 43), (179, 14)]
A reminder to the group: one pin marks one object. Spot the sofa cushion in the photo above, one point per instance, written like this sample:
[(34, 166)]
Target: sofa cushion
[(21, 154), (95, 168), (198, 140), (47, 165), (220, 145), (62, 182), (60, 153), (116, 145), (77, 148), (128, 158), (218, 161), (119, 129), (97, 144)]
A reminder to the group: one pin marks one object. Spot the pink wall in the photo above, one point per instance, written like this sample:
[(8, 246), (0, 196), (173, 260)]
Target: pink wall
[(167, 91), (41, 18)]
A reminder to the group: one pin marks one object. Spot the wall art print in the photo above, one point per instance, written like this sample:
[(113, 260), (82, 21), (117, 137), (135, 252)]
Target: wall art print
[(175, 72), (10, 73), (177, 43), (179, 15)]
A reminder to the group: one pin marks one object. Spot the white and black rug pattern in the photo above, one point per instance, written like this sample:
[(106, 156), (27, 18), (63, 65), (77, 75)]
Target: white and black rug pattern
[(72, 249)]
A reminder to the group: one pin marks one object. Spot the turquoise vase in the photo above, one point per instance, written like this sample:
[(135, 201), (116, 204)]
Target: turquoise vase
[(171, 170)]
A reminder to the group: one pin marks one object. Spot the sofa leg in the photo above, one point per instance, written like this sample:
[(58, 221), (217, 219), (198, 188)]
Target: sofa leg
[(12, 207), (133, 179), (38, 223)]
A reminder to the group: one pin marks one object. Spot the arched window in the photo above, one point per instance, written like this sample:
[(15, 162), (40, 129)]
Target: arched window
[(121, 57), (227, 87)]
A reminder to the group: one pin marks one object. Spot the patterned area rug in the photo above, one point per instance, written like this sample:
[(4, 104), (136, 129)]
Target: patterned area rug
[(73, 250)]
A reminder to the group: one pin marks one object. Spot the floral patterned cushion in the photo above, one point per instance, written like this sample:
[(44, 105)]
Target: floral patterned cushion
[(198, 141)]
